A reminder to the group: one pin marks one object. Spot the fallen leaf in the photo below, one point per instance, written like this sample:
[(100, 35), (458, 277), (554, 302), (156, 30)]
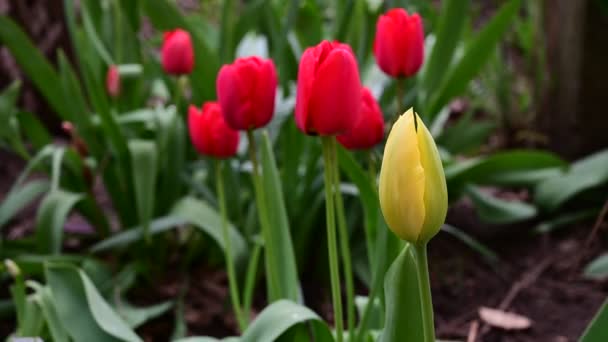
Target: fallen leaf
[(504, 320)]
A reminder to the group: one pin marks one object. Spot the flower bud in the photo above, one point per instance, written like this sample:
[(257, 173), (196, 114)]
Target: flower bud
[(246, 91), (399, 43), (177, 53), (413, 191), (12, 268), (369, 127), (113, 81), (209, 132), (329, 89)]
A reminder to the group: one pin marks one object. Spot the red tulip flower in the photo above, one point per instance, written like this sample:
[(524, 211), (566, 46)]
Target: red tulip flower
[(209, 132), (246, 91), (399, 43), (369, 127), (113, 81), (329, 89), (177, 54)]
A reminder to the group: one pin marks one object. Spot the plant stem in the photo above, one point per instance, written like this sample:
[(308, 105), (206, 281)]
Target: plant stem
[(369, 238), (331, 235), (260, 199), (250, 278), (232, 280), (399, 94), (344, 244), (180, 89), (425, 292)]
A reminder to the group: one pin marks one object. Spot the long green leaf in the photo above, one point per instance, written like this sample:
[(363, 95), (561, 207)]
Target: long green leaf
[(453, 16), (598, 268), (34, 130), (403, 308), (587, 173), (205, 218), (144, 166), (78, 302), (46, 301), (20, 197), (597, 331), (494, 210), (133, 234), (279, 317), (284, 263), (485, 170), (50, 219), (475, 56), (33, 64)]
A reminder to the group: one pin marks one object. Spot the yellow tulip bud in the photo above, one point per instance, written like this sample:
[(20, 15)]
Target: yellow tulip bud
[(413, 192)]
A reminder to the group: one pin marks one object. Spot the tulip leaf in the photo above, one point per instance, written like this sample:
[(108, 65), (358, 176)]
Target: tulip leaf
[(34, 130), (452, 19), (494, 210), (283, 261), (136, 316), (51, 217), (518, 164), (584, 174), (597, 269), (171, 142), (468, 240), (144, 167), (78, 302), (33, 64), (20, 197), (403, 320), (207, 339), (476, 53), (597, 330), (282, 316), (46, 301), (208, 220), (367, 193), (130, 235), (565, 220)]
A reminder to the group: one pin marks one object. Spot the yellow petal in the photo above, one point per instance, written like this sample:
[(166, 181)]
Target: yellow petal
[(402, 180), (435, 188)]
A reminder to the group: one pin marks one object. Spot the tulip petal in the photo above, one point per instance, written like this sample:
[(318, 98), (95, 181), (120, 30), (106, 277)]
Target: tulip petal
[(436, 192), (306, 76), (402, 181), (336, 94)]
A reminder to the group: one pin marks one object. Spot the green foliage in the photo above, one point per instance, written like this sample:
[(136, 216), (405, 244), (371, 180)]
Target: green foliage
[(135, 148), (596, 331)]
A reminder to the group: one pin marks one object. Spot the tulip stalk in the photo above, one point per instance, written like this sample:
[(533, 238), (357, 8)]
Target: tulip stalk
[(344, 246), (232, 280), (329, 164), (424, 286), (260, 198), (180, 89)]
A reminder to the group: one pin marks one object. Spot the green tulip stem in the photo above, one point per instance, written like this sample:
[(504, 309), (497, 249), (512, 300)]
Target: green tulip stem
[(344, 244), (332, 247), (232, 280), (181, 83), (260, 199), (425, 292), (400, 85)]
